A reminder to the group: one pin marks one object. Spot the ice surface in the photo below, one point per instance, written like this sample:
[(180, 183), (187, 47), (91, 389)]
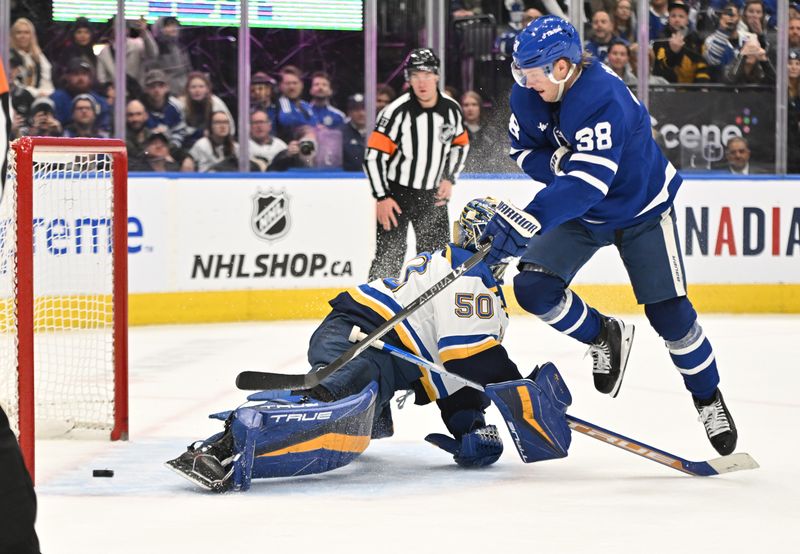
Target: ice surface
[(404, 495)]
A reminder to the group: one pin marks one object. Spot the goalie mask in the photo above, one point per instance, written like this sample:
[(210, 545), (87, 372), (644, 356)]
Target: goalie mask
[(471, 224)]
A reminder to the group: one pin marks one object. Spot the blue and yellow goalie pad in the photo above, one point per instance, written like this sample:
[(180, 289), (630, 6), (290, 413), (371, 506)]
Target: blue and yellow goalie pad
[(535, 412), (297, 435)]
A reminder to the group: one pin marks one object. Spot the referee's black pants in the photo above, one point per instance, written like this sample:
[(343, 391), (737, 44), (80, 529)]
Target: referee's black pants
[(17, 499), (431, 228)]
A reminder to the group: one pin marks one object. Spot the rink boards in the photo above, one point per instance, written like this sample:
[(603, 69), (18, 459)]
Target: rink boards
[(240, 248)]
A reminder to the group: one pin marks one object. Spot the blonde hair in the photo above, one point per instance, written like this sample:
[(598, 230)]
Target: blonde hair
[(34, 51)]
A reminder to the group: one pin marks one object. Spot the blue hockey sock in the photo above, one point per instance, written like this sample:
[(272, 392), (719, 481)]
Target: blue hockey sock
[(694, 359), (573, 317)]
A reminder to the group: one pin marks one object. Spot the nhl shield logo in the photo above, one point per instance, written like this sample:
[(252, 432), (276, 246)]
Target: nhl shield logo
[(447, 132), (270, 219)]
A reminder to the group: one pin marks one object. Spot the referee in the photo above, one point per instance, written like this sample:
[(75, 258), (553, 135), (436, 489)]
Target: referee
[(17, 499), (413, 158)]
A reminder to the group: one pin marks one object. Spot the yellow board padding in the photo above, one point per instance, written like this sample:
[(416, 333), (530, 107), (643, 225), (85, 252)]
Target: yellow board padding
[(268, 305)]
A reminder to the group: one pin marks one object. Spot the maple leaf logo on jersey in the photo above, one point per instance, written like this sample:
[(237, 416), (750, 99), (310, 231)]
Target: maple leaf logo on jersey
[(270, 219), (543, 126)]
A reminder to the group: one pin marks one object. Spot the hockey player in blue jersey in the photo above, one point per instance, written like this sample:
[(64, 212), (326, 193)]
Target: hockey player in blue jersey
[(461, 329), (576, 127)]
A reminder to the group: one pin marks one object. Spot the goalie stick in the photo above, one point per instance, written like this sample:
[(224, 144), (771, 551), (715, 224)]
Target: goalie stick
[(258, 380), (724, 464)]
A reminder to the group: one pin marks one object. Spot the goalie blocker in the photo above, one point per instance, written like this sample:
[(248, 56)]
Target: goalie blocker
[(535, 411)]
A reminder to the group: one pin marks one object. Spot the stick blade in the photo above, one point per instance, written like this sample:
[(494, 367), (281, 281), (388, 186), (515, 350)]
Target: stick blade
[(733, 462), (258, 380)]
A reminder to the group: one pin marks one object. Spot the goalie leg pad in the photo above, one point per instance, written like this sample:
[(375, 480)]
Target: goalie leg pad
[(284, 438), (535, 412)]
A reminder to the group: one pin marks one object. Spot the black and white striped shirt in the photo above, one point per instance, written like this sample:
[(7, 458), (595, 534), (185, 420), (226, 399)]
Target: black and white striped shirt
[(416, 147)]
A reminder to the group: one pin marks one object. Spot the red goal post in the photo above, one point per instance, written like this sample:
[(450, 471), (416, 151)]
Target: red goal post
[(63, 289)]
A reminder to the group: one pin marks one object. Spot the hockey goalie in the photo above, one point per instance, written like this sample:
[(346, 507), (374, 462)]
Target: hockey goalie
[(279, 433)]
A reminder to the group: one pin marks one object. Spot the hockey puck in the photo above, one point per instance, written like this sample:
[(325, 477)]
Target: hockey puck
[(102, 473)]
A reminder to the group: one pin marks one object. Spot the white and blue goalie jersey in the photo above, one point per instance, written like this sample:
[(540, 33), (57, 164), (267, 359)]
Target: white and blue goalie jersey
[(616, 175), (461, 327)]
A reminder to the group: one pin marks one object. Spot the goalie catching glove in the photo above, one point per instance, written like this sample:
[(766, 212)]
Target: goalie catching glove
[(475, 444), (478, 448), (509, 230)]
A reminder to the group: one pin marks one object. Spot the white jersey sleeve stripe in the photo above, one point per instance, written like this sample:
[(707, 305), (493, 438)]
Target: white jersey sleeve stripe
[(590, 180), (592, 159), (521, 157)]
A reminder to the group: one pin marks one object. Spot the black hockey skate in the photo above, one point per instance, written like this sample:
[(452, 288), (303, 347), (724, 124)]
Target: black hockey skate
[(718, 422), (610, 350), (204, 464)]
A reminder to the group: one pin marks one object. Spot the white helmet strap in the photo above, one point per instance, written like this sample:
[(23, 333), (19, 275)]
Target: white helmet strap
[(560, 82)]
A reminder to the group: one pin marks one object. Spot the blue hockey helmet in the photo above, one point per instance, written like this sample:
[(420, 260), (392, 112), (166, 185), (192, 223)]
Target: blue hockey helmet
[(544, 41), (472, 222)]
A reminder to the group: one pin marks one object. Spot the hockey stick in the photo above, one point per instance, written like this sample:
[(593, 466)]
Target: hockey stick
[(257, 380), (716, 466)]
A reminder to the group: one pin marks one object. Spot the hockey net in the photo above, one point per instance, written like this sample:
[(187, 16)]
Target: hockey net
[(63, 290)]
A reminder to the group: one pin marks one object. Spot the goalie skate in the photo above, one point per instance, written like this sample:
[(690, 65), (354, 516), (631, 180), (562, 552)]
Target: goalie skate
[(202, 468)]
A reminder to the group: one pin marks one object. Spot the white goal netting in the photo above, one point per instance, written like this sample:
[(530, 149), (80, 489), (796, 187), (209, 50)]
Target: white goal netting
[(73, 301)]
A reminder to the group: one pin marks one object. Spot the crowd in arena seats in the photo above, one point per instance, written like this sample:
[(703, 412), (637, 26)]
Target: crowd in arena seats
[(175, 120)]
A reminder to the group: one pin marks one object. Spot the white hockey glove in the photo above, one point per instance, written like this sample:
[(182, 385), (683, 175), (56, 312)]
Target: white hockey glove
[(557, 158)]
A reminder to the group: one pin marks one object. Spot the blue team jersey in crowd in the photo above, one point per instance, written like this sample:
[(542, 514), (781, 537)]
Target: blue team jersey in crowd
[(328, 116), (616, 175)]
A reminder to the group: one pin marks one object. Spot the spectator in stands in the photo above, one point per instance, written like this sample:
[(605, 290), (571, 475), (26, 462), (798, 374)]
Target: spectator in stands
[(488, 150), (321, 92), (79, 81), (619, 59), (300, 153), (737, 152), (156, 156), (659, 17), (678, 54), (37, 71), (140, 50), (793, 165), (733, 58), (261, 88), (794, 33), (172, 57), (602, 35), (165, 112), (41, 120), (293, 111), (84, 118), (354, 134), (197, 105), (755, 22), (263, 146), (21, 99), (384, 95), (625, 21), (136, 131), (79, 45), (217, 150)]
